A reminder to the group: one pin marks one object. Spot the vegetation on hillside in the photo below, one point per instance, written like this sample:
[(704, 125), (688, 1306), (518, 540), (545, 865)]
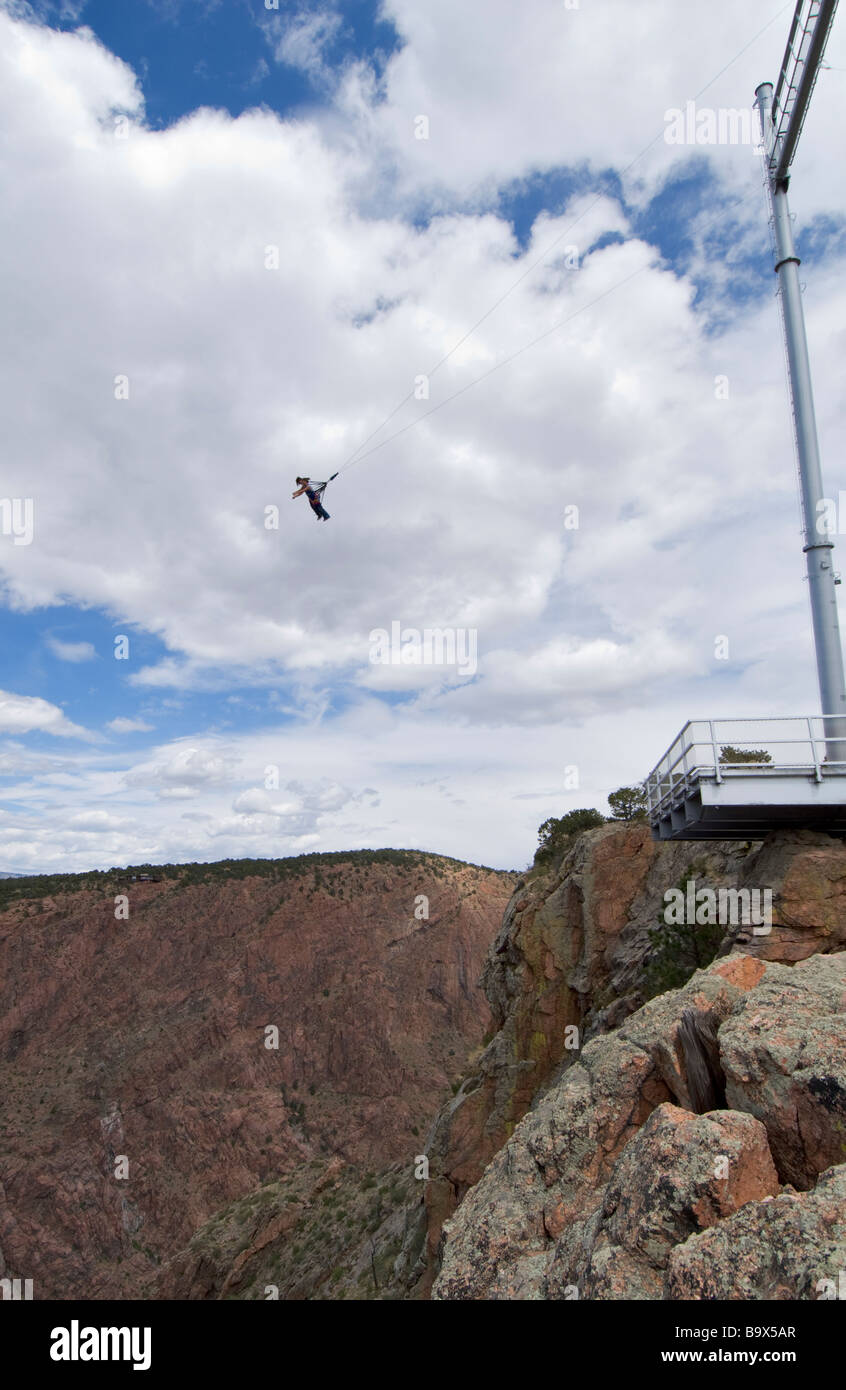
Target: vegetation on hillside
[(357, 1237), (279, 870)]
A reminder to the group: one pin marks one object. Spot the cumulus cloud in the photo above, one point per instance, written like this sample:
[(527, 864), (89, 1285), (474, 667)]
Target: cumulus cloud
[(359, 307), (510, 90), (183, 770), (267, 292), (21, 714), (257, 800)]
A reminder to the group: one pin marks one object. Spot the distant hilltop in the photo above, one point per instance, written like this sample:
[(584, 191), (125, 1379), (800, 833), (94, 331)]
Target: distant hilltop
[(41, 885)]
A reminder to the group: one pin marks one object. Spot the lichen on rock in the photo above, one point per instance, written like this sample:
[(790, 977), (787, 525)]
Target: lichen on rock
[(612, 1173)]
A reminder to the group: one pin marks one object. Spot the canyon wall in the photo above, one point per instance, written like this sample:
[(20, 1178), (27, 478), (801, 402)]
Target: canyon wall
[(144, 1087)]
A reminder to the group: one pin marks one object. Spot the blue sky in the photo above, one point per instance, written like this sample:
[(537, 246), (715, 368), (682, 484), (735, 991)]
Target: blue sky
[(192, 53), (250, 647)]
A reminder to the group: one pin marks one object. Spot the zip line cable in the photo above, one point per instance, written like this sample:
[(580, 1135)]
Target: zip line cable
[(505, 361), (357, 455), (532, 343)]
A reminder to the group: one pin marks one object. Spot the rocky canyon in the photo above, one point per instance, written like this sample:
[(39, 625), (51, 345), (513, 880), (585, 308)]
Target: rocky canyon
[(395, 1076)]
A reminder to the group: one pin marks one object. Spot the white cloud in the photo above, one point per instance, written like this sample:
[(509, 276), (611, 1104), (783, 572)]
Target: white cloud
[(184, 769), (258, 801), (510, 91), (71, 651), (129, 726), (300, 40), (22, 714), (96, 822)]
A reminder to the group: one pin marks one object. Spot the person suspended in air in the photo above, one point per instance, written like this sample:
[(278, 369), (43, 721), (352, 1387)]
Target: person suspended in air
[(314, 493)]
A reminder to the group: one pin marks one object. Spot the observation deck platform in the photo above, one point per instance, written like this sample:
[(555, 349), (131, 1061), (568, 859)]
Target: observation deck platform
[(702, 789)]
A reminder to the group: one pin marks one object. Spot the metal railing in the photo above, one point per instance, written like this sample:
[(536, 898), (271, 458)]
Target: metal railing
[(713, 749)]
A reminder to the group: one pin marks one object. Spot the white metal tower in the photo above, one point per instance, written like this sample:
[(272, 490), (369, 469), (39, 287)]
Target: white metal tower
[(782, 118)]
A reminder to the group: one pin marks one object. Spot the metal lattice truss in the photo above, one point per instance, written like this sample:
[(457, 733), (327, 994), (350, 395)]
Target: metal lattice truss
[(801, 63)]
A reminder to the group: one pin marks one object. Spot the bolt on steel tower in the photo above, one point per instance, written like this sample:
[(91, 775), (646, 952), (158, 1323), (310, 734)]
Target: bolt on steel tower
[(782, 118)]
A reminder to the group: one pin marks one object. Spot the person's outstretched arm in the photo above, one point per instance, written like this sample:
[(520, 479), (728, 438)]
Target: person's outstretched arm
[(300, 492)]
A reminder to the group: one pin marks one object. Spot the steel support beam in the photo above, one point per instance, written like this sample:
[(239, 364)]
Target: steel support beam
[(804, 89)]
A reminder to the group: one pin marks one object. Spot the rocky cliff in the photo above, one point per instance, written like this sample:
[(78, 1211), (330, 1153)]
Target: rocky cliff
[(227, 1047), (606, 1184), (612, 1187)]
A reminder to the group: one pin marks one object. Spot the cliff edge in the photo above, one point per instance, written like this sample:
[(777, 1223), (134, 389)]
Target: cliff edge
[(585, 1089)]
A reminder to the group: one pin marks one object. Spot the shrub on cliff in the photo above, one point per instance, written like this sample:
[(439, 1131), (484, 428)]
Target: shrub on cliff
[(628, 803), (554, 834)]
